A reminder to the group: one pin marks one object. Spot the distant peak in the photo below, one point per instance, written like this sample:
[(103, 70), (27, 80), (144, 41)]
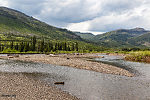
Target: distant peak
[(138, 29)]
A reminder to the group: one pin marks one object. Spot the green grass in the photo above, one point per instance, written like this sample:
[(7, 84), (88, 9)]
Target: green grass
[(140, 53), (10, 51), (139, 56)]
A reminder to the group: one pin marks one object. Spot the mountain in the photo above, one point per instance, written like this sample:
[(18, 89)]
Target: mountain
[(18, 30), (17, 26), (17, 23), (123, 38), (86, 36), (141, 40)]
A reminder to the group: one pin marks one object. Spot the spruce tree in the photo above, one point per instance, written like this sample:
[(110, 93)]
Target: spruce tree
[(26, 47), (34, 43), (50, 46), (65, 46), (21, 47), (68, 48), (17, 47), (73, 47), (42, 45), (0, 46), (56, 47), (46, 48), (12, 45), (76, 46)]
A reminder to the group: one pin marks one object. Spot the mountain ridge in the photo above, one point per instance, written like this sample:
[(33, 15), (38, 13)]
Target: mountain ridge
[(120, 38), (86, 36), (19, 21)]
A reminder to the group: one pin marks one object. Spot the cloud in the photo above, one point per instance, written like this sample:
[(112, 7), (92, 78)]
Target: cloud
[(4, 3), (120, 14), (86, 15), (30, 7), (137, 17), (83, 26), (69, 11)]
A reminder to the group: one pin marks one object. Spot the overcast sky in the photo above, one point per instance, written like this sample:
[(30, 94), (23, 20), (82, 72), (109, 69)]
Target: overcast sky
[(86, 15)]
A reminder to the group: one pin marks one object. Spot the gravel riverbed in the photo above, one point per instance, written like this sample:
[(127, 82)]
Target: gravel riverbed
[(16, 86), (77, 61)]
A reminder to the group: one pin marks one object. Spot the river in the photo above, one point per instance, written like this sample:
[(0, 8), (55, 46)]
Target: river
[(90, 85)]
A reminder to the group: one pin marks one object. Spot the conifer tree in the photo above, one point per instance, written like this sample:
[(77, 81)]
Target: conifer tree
[(65, 46), (68, 48), (26, 47), (46, 48), (76, 46), (56, 47), (17, 47), (34, 43), (21, 47), (50, 46), (12, 45), (42, 45), (73, 48), (0, 48)]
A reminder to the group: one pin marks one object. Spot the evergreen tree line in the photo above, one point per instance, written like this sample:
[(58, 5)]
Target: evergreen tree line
[(40, 46)]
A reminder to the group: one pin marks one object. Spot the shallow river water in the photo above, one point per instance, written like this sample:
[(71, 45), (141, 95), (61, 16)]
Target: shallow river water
[(90, 85)]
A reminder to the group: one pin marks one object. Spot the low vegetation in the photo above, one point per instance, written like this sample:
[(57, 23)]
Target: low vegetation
[(139, 56)]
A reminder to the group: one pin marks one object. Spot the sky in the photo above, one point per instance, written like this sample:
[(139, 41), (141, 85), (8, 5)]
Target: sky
[(96, 16)]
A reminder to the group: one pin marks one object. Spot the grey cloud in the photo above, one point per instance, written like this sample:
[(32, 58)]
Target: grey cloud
[(61, 13), (119, 6), (30, 7)]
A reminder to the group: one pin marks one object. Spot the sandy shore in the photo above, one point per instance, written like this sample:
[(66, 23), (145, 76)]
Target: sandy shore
[(77, 61), (19, 87)]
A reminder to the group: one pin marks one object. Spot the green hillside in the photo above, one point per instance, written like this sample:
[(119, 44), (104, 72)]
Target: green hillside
[(141, 40), (19, 32), (14, 22), (86, 36), (123, 38)]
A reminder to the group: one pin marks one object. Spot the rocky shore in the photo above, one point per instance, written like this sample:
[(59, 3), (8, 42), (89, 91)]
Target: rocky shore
[(16, 86), (73, 60)]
